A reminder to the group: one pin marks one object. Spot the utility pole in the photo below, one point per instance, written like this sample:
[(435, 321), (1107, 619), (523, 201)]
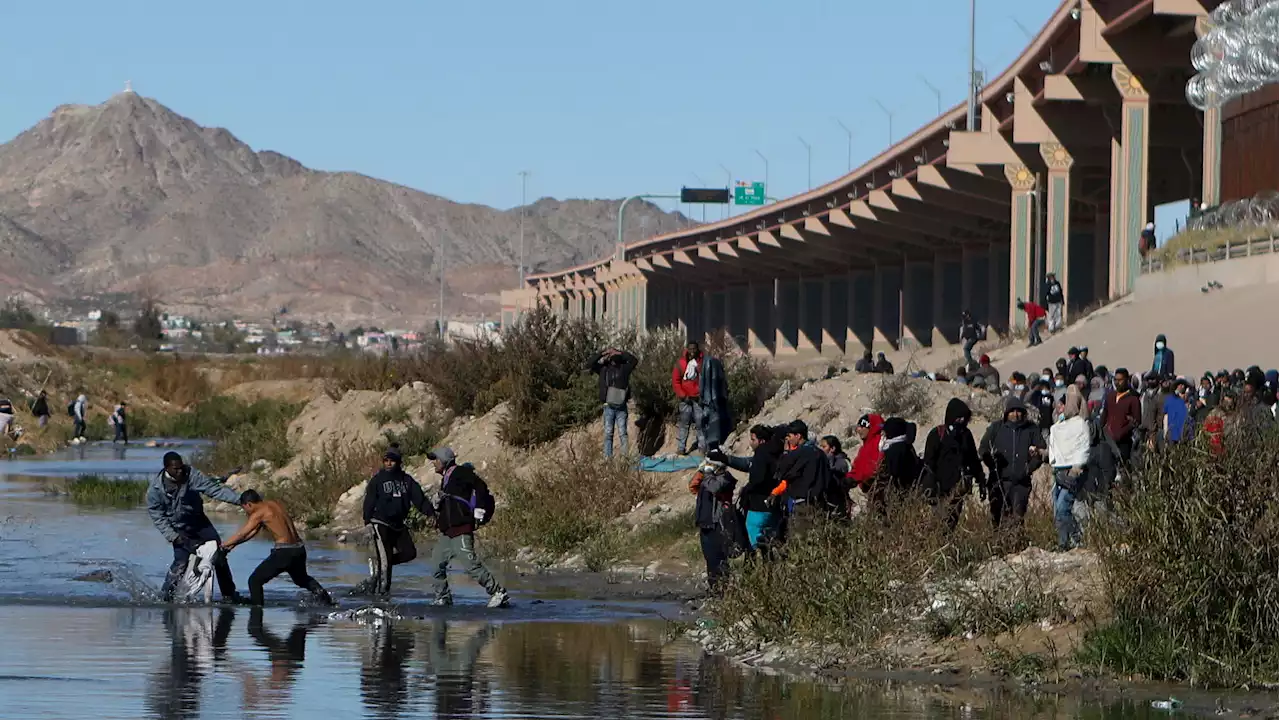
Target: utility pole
[(440, 321), (809, 152), (524, 182), (849, 147), (971, 94)]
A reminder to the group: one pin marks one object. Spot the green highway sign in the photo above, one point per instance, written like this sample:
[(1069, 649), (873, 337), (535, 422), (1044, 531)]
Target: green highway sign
[(746, 193)]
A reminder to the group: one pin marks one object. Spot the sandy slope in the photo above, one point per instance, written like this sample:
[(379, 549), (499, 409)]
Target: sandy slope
[(1230, 328)]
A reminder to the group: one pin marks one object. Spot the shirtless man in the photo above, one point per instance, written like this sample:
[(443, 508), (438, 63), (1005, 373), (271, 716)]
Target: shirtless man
[(289, 554)]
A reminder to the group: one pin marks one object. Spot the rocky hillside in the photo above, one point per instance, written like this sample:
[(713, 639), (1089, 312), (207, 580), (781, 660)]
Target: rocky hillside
[(129, 196)]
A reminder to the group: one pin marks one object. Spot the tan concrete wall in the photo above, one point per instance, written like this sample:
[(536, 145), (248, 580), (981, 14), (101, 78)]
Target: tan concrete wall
[(1184, 279)]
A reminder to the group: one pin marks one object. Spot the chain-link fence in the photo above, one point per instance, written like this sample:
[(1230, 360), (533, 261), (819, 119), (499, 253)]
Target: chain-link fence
[(1237, 55)]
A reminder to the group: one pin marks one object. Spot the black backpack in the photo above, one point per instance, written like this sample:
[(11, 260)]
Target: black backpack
[(480, 498), (71, 408)]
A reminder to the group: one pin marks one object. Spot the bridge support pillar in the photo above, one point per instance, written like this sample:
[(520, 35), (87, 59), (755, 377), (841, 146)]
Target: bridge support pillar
[(948, 298), (1128, 181), (1058, 218), (887, 305), (860, 314), (787, 312), (917, 303), (1022, 183)]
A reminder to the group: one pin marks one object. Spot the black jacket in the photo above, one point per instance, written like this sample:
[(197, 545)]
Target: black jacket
[(1053, 293), (389, 496), (970, 330), (1077, 367), (884, 367), (1006, 445), (761, 469), (459, 489), (613, 372), (900, 465), (40, 407), (1043, 401), (950, 452), (806, 471)]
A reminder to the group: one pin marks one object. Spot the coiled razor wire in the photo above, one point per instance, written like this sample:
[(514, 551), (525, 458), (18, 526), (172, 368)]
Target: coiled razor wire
[(1260, 211), (1238, 55)]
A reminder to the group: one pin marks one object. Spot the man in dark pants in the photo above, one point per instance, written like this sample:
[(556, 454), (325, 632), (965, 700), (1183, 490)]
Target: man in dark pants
[(614, 368), (464, 505), (1013, 449), (951, 460), (804, 473), (289, 554), (1121, 416), (388, 497), (177, 511)]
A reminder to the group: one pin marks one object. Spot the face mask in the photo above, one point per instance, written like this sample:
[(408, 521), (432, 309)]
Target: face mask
[(1159, 346), (1045, 378), (1060, 383)]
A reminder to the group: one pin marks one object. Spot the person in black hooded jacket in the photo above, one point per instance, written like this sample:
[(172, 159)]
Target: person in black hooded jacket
[(388, 498), (900, 466), (1013, 449), (951, 461)]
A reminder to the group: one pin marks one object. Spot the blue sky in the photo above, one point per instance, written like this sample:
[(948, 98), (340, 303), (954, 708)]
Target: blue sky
[(595, 99)]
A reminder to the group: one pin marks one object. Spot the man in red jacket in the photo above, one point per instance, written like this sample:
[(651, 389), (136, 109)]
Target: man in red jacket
[(1035, 318), (686, 379), (1121, 415), (867, 462)]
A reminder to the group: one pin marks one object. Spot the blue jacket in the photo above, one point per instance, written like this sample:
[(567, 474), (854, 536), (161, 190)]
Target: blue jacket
[(181, 512)]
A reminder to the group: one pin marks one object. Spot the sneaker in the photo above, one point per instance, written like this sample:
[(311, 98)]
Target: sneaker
[(500, 599), (236, 599), (443, 601), (364, 587)]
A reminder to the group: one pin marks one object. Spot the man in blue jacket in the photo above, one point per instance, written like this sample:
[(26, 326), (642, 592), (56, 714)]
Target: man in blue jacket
[(177, 510)]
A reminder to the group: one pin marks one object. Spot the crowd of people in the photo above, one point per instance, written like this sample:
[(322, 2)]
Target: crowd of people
[(1090, 425)]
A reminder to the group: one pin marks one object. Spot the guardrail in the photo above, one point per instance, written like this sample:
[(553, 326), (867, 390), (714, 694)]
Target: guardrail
[(1230, 251)]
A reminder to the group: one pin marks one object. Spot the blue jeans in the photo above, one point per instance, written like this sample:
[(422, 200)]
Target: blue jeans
[(1063, 519), (968, 353), (689, 412), (1033, 332), (762, 527), (615, 417)]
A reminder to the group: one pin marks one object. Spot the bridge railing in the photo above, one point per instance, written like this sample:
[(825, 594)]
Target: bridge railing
[(1229, 251)]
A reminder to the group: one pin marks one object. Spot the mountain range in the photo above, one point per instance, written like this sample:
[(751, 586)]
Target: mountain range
[(131, 197)]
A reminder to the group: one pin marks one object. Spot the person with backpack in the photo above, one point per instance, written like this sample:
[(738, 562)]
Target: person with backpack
[(118, 421), (839, 485), (951, 462), (388, 498), (77, 410), (721, 532), (464, 504), (614, 369)]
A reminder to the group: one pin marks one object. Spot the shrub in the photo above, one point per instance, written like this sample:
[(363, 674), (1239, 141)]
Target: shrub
[(828, 588), (241, 432), (97, 490), (901, 396), (558, 506), (314, 491), (393, 414), (418, 439), (1190, 566)]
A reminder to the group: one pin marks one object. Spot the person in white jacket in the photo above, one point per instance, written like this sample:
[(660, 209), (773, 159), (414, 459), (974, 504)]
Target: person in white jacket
[(1070, 440)]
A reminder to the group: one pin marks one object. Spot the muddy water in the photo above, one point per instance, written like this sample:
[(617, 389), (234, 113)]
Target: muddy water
[(76, 648)]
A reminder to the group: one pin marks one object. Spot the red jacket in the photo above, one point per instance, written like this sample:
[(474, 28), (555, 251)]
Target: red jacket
[(1034, 312), (867, 461), (686, 388)]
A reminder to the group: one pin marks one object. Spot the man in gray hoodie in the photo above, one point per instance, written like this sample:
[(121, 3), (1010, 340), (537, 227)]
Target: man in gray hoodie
[(177, 511)]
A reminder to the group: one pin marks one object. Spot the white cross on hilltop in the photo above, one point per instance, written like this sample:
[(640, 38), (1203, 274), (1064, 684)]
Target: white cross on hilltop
[(128, 86)]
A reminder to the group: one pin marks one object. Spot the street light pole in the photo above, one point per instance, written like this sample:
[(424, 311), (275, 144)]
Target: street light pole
[(889, 114), (524, 182), (701, 183), (936, 92), (728, 185), (809, 151), (440, 321), (622, 211), (766, 170), (849, 151), (971, 94)]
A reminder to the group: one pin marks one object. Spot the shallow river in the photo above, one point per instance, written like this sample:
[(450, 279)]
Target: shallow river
[(76, 649)]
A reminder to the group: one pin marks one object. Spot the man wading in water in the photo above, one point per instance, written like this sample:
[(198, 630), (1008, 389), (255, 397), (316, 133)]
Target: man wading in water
[(289, 554), (177, 511)]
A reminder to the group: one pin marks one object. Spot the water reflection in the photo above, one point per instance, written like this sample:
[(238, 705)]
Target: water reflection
[(197, 643), (216, 663)]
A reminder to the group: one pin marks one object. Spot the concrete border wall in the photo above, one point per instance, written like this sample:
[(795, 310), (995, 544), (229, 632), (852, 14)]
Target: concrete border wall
[(1184, 279)]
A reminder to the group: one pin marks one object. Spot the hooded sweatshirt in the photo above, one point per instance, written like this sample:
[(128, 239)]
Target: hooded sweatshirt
[(685, 380), (1007, 444), (1162, 363), (899, 465), (761, 469), (867, 461), (950, 452), (1074, 405), (390, 494)]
